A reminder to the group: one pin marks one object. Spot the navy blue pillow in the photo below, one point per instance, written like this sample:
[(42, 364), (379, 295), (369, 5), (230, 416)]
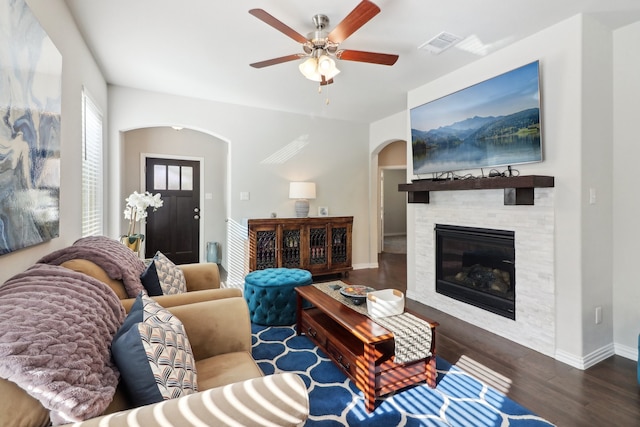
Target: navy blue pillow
[(150, 280), (131, 359), (135, 315)]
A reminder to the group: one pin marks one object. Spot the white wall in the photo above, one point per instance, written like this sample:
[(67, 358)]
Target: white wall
[(78, 69), (596, 170), (575, 64), (267, 150), (626, 203)]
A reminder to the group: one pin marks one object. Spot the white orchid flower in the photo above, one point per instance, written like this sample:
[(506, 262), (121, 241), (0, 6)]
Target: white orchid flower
[(137, 205)]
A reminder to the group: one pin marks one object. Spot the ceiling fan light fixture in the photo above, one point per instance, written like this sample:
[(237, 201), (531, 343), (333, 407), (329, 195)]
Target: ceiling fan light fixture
[(309, 67), (326, 65), (315, 67), (321, 47), (332, 73)]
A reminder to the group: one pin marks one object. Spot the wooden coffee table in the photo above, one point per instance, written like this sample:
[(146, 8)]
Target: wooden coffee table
[(359, 346)]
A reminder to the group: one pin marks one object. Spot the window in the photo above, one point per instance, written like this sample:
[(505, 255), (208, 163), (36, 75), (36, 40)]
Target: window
[(172, 177), (92, 182)]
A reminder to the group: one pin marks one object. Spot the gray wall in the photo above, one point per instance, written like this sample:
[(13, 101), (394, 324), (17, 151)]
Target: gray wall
[(394, 202)]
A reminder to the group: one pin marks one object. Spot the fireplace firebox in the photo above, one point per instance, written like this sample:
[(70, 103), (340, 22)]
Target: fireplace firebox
[(477, 266)]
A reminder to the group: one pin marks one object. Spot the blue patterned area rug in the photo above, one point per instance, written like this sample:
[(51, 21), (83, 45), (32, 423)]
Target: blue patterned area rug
[(458, 400)]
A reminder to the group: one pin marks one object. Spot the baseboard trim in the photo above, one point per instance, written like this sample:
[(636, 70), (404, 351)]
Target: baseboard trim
[(626, 351), (364, 266), (599, 355), (569, 359), (587, 361), (577, 362)]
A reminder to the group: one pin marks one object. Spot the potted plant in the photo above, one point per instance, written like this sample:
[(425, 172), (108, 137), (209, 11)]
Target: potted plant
[(136, 210)]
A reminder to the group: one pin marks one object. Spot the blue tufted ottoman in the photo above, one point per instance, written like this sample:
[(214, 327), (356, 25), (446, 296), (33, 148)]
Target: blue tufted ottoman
[(270, 295)]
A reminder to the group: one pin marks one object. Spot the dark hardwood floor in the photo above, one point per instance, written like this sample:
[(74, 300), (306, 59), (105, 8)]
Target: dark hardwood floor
[(604, 395)]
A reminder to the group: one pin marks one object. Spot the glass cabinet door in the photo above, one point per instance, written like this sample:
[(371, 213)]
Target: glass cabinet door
[(266, 249), (317, 247), (291, 248)]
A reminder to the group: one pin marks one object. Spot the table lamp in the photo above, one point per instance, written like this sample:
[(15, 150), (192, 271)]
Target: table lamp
[(302, 192)]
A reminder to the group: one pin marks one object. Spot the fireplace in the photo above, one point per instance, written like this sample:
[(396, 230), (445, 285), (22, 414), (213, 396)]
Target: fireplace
[(477, 266)]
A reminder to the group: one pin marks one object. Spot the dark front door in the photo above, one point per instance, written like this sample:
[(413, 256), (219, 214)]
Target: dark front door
[(174, 229)]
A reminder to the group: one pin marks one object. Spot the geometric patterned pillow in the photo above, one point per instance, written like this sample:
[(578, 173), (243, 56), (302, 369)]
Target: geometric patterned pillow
[(171, 277), (154, 355)]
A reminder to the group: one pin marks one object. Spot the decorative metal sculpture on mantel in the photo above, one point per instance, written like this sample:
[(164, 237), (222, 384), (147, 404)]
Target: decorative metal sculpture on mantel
[(137, 210)]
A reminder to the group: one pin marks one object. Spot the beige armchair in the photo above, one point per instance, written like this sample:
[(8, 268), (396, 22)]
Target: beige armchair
[(203, 283)]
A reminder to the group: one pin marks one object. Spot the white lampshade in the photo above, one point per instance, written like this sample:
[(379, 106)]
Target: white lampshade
[(302, 190), (327, 66), (314, 68), (308, 67)]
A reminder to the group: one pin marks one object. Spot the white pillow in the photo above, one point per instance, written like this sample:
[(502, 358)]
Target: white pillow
[(171, 277)]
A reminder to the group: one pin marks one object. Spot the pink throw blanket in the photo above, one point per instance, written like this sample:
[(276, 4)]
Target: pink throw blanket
[(56, 328), (118, 261)]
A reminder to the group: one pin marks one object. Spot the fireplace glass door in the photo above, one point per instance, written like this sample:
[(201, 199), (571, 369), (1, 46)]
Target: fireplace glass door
[(477, 266)]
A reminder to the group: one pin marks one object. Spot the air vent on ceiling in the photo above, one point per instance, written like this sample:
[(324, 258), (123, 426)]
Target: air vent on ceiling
[(440, 42)]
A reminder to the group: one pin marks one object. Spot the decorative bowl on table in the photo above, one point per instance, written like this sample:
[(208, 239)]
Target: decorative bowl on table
[(356, 293), (385, 303)]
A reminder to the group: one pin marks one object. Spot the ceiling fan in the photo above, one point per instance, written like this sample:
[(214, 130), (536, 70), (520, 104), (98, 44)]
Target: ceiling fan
[(321, 46)]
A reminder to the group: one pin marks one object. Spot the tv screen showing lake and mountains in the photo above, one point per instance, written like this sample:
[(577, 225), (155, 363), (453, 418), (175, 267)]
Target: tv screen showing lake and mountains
[(493, 123)]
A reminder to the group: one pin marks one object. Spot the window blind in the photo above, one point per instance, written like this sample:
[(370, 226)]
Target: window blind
[(92, 182)]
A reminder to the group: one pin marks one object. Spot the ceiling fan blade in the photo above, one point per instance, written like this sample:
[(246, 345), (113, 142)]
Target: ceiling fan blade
[(275, 61), (278, 25), (371, 57), (352, 22), (326, 82)]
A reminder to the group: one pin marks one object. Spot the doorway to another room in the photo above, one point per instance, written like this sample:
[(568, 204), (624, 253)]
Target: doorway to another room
[(393, 211), (192, 173), (391, 203)]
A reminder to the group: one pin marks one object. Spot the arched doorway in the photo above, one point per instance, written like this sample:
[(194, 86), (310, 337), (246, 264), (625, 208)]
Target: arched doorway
[(390, 155), (212, 155), (392, 206)]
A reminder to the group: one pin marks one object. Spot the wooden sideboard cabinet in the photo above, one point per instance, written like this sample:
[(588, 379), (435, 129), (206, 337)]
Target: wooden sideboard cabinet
[(321, 245)]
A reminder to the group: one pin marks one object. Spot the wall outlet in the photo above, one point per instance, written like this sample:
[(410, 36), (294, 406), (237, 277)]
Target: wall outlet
[(244, 195), (598, 315)]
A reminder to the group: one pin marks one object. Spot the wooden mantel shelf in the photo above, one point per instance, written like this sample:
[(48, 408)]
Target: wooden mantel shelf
[(518, 190)]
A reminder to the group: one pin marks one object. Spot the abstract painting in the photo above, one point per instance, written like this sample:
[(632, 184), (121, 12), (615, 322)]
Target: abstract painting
[(30, 107)]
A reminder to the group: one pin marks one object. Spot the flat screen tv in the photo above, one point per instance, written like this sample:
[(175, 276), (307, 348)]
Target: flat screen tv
[(491, 124)]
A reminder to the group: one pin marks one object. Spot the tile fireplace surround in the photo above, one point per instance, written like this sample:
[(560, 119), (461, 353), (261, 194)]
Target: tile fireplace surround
[(534, 326)]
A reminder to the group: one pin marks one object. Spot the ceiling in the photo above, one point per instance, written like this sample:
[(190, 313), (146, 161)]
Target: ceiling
[(203, 48)]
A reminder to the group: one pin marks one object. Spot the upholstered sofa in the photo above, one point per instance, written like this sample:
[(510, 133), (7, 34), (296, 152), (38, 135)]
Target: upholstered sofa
[(231, 387), (202, 280)]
